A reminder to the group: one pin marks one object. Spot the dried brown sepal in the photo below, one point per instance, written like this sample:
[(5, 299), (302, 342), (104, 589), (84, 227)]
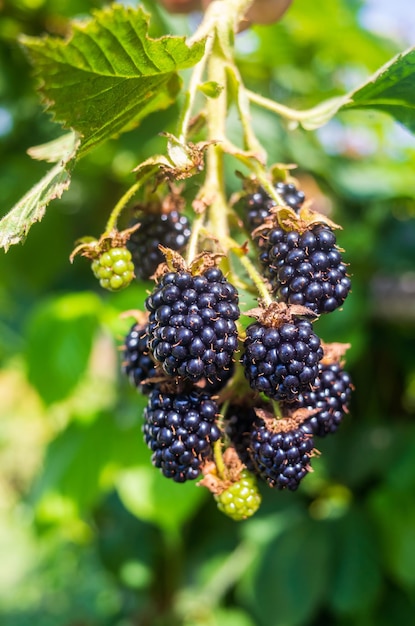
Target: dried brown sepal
[(168, 384), (278, 313), (212, 481), (333, 352), (141, 317), (302, 221), (174, 261), (204, 261), (93, 248)]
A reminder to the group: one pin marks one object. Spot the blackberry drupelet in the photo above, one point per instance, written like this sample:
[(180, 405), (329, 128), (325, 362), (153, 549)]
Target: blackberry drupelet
[(306, 268), (114, 269), (172, 230), (242, 499), (331, 396), (259, 204), (138, 364), (282, 362), (192, 324), (179, 429), (281, 458)]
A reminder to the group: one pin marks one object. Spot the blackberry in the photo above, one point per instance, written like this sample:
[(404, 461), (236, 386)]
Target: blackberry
[(331, 395), (138, 364), (192, 324), (259, 203), (281, 458), (238, 425), (306, 268), (171, 230), (282, 362), (242, 499), (179, 429), (114, 269)]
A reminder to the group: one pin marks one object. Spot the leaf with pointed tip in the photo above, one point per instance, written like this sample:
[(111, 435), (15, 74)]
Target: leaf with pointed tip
[(30, 209), (391, 90), (109, 73)]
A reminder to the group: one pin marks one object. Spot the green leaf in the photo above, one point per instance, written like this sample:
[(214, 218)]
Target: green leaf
[(31, 208), (109, 74), (356, 579), (394, 514), (390, 90), (59, 341), (82, 458), (153, 498), (293, 575)]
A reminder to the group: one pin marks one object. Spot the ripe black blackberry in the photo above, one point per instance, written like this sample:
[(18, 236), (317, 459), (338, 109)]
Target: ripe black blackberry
[(259, 203), (331, 396), (305, 268), (179, 429), (281, 360), (192, 324), (138, 364), (172, 230), (280, 452), (238, 426)]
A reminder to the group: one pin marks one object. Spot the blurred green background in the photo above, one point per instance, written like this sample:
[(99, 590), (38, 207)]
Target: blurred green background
[(90, 533)]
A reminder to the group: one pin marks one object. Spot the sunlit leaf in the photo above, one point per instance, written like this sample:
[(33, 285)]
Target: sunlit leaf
[(109, 74)]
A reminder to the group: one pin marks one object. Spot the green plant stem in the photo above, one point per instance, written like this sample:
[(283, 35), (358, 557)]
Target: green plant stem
[(197, 227), (217, 455), (257, 279), (190, 95), (115, 213)]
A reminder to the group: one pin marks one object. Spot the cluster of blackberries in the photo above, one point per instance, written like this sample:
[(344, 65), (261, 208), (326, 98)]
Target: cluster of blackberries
[(183, 354)]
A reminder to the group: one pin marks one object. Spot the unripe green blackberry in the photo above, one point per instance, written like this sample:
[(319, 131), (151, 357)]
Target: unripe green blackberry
[(114, 269), (242, 499)]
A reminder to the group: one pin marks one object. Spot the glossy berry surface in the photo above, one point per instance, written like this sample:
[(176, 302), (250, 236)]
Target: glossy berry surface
[(306, 268), (331, 396), (282, 362), (179, 429), (192, 325), (259, 204), (137, 362), (114, 269), (281, 458), (242, 499), (172, 230)]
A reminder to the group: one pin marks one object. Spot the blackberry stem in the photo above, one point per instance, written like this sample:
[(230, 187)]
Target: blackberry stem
[(115, 213), (257, 279), (217, 455), (197, 228)]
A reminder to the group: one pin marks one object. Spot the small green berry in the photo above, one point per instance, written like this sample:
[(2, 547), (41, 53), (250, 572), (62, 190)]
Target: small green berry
[(114, 269), (242, 499)]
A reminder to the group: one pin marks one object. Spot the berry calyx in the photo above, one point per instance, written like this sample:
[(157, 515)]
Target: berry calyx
[(114, 269), (242, 499)]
